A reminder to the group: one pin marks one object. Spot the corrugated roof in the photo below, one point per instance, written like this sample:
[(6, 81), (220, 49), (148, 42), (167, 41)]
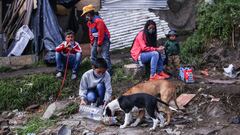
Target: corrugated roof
[(134, 4), (125, 24)]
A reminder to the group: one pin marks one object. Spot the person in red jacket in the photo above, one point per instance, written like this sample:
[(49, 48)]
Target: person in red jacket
[(98, 34), (145, 50), (75, 53)]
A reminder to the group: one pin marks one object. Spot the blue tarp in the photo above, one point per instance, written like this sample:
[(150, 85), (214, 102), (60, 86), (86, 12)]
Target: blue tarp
[(48, 34)]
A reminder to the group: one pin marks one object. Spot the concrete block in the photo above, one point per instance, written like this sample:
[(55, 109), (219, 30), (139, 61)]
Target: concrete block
[(18, 60), (4, 61)]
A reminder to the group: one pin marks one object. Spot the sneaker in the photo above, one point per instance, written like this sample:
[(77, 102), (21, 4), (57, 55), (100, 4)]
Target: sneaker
[(74, 76), (59, 74), (163, 74), (156, 77)]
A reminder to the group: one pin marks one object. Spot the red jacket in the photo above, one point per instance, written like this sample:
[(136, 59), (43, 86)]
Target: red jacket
[(97, 28), (140, 46), (61, 48)]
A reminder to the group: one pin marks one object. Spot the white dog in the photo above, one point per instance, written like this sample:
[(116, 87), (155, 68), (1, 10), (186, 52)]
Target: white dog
[(139, 100)]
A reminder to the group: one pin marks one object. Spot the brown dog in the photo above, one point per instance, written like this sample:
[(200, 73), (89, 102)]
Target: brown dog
[(165, 88)]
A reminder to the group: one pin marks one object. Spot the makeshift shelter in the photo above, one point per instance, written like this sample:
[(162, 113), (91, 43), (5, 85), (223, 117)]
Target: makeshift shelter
[(33, 19), (123, 19)]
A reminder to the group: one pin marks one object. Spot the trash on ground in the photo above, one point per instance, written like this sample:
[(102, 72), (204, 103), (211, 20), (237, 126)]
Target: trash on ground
[(184, 99), (230, 71), (186, 74), (235, 120), (109, 121), (205, 72), (91, 112), (172, 132)]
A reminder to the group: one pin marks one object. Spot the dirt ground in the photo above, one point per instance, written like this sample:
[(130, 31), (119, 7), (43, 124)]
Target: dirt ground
[(202, 115)]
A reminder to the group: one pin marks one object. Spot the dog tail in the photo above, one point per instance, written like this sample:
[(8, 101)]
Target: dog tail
[(159, 100)]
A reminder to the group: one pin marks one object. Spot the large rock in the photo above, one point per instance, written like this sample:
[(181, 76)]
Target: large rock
[(54, 108), (64, 130), (134, 70)]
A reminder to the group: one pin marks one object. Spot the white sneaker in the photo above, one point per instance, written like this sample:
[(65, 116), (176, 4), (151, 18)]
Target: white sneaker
[(59, 74), (74, 76)]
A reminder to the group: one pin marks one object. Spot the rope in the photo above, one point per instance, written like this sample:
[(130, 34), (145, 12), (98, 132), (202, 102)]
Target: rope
[(64, 77)]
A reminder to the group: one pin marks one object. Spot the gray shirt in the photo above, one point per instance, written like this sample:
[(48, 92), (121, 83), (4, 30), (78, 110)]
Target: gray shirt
[(89, 80)]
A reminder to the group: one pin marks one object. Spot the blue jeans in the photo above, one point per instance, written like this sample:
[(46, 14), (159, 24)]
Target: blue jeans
[(105, 52), (156, 63), (94, 93), (74, 61)]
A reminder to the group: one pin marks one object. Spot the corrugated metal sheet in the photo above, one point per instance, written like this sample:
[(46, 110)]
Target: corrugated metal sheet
[(134, 4), (125, 24)]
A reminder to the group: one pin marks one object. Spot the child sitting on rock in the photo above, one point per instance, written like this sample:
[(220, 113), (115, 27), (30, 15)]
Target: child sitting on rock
[(68, 49)]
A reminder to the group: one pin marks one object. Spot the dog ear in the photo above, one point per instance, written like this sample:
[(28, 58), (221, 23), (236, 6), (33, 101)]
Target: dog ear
[(108, 112)]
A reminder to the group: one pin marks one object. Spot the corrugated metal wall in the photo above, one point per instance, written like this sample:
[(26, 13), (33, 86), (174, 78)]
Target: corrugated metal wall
[(124, 24), (134, 4)]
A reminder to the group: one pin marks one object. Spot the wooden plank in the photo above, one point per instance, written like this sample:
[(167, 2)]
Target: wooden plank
[(14, 16), (184, 99), (29, 12), (222, 81)]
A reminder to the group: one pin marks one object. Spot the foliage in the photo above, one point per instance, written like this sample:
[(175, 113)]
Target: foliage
[(213, 21), (5, 69), (21, 92), (35, 125), (18, 93), (118, 75), (71, 108)]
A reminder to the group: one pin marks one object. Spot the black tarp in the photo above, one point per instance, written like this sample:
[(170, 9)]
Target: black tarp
[(46, 29), (68, 3)]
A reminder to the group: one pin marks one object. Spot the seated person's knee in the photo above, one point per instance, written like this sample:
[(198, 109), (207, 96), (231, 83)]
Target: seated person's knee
[(91, 97)]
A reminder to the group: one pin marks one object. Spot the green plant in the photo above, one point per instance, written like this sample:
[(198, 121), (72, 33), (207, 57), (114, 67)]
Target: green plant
[(22, 92), (18, 93), (5, 69), (216, 21), (71, 108), (119, 75), (35, 125)]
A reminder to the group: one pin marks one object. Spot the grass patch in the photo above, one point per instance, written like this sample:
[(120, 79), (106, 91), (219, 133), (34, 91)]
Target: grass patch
[(18, 93), (119, 76), (72, 108), (5, 69), (35, 125)]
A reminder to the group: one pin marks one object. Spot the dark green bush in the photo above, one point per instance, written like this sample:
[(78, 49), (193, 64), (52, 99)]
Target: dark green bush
[(216, 21)]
